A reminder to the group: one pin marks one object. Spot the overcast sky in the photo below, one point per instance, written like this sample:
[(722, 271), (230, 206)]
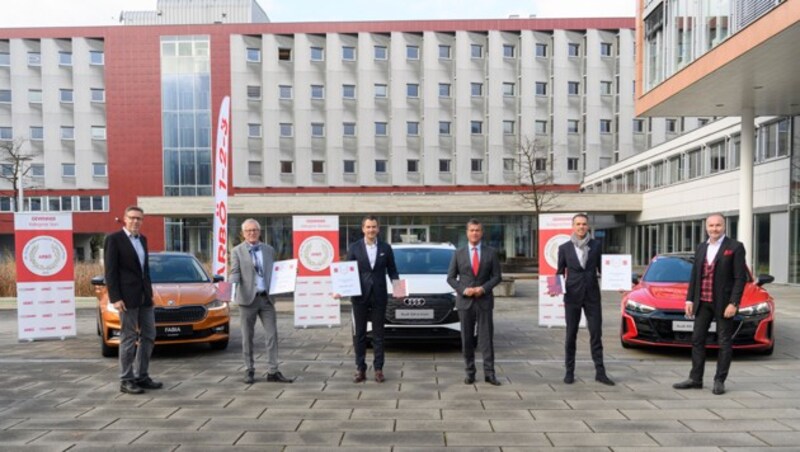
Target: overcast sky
[(50, 13)]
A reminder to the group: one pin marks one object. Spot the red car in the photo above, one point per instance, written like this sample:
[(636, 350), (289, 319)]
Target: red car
[(653, 311)]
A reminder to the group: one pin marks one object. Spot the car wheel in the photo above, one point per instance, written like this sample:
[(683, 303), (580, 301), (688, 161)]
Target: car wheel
[(219, 345), (106, 350)]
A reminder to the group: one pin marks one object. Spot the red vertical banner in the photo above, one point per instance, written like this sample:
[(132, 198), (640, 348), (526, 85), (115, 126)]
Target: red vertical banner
[(315, 241), (554, 230), (45, 275)]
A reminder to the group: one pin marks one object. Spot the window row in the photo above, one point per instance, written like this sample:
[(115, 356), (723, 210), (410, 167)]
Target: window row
[(96, 58), (381, 128), (36, 133), (96, 203), (36, 170), (65, 96)]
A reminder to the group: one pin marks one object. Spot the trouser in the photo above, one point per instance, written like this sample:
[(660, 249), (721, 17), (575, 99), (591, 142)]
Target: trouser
[(262, 308), (136, 340), (368, 310), (594, 321), (484, 319), (705, 315)]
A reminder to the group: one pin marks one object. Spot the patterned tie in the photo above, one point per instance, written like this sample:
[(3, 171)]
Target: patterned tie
[(475, 260), (256, 263)]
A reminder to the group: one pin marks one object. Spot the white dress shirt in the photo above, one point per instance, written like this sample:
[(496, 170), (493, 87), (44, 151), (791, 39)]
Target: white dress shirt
[(713, 248), (372, 252)]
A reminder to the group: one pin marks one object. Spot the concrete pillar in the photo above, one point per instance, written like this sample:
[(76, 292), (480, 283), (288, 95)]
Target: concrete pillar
[(745, 230)]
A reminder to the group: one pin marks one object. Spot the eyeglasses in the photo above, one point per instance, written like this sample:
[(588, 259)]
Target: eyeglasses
[(252, 230), (134, 218)]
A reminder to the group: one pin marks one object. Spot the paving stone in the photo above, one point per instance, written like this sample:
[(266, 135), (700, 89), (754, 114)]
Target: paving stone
[(677, 414), (407, 438), (765, 413), (728, 439), (63, 424), (500, 425), (17, 437), (735, 425), (550, 415), (396, 414), (608, 426), (323, 425), (89, 436), (497, 439), (247, 424), (446, 425), (779, 438), (329, 439), (219, 438)]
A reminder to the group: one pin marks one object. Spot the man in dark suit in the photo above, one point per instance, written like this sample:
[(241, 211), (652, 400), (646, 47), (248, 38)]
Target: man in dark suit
[(579, 263), (719, 274), (474, 271), (127, 277), (375, 260)]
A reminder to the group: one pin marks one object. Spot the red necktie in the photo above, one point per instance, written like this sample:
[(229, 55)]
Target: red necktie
[(475, 261)]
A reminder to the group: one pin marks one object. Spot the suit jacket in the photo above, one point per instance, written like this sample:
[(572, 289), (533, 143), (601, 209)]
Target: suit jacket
[(460, 276), (125, 279), (373, 280), (580, 283), (730, 275), (243, 271)]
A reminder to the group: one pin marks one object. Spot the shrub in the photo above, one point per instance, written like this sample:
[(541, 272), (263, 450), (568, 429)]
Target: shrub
[(84, 272)]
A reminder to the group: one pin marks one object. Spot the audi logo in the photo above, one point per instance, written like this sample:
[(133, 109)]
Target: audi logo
[(414, 301)]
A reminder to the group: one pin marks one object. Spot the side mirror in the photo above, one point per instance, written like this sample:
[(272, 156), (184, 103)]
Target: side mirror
[(99, 281), (764, 279), (218, 278), (635, 278)]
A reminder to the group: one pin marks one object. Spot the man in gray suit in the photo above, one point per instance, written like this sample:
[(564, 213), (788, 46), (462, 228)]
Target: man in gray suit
[(251, 269), (474, 271)]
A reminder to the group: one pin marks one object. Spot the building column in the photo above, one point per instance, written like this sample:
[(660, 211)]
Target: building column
[(748, 141)]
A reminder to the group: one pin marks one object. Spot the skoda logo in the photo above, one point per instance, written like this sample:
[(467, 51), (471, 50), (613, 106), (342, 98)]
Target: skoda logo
[(414, 301), (171, 302)]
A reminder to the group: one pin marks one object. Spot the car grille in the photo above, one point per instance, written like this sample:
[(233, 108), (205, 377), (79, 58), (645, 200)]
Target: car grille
[(658, 328), (185, 314), (442, 305)]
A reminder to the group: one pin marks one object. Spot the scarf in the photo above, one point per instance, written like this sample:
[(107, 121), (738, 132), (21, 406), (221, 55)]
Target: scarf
[(583, 245)]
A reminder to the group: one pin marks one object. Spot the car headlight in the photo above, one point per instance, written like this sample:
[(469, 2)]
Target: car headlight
[(756, 309), (635, 306), (111, 308), (216, 304)]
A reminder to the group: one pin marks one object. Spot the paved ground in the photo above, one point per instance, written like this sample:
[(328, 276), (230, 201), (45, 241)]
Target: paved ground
[(63, 396)]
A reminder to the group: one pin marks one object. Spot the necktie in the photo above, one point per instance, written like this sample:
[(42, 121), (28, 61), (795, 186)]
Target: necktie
[(256, 263), (475, 261)]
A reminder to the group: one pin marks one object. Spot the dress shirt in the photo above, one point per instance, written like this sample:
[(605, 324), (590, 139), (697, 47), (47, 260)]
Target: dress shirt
[(472, 249), (258, 262), (713, 248), (579, 253), (137, 245), (372, 252)]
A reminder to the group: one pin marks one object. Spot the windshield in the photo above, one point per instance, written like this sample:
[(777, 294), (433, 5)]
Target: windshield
[(176, 269), (669, 269), (423, 261)]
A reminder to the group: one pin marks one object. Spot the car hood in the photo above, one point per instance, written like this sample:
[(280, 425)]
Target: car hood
[(183, 294), (672, 296), (425, 284)]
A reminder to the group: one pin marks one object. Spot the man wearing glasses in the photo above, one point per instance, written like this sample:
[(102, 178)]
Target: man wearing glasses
[(127, 277)]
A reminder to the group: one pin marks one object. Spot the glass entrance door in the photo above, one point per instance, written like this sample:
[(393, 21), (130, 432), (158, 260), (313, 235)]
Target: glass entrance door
[(408, 234)]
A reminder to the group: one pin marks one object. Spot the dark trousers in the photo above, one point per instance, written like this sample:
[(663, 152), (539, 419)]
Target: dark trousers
[(136, 340), (484, 319), (368, 310), (705, 315), (594, 320)]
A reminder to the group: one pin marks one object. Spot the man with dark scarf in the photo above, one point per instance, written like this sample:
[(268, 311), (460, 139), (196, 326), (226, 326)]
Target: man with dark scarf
[(579, 263)]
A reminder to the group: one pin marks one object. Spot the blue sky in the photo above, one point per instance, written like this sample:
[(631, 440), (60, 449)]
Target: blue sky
[(41, 13)]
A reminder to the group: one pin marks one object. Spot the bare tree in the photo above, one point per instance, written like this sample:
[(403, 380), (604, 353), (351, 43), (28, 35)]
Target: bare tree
[(536, 173), (15, 164)]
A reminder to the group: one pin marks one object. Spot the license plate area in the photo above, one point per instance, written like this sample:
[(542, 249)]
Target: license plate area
[(174, 331), (687, 326), (413, 314)]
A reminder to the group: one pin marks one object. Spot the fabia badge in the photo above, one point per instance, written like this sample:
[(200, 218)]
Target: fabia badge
[(44, 255)]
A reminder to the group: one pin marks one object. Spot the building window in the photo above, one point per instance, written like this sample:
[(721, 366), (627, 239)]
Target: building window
[(287, 167), (444, 165), (508, 165), (412, 165), (317, 129), (284, 54), (284, 91), (605, 126), (68, 170), (98, 95), (702, 122), (253, 55), (381, 129), (444, 128), (66, 203), (99, 169), (65, 96), (695, 163), (317, 54), (64, 58), (349, 166), (572, 126), (444, 90), (253, 92), (509, 51), (412, 52), (412, 128), (638, 126), (318, 166), (5, 59), (573, 50), (37, 133), (348, 91), (508, 89), (381, 53), (412, 89), (476, 50), (476, 127), (572, 164), (381, 90), (718, 157), (98, 133), (605, 49), (6, 133), (6, 170), (476, 165), (254, 130), (444, 52), (672, 125), (35, 96), (380, 166), (286, 129), (254, 168), (675, 168), (508, 127), (573, 88), (5, 96), (540, 164), (349, 129), (348, 53), (541, 88), (34, 59), (37, 170), (317, 92), (67, 133), (605, 88), (540, 127), (476, 89), (97, 57), (541, 50)]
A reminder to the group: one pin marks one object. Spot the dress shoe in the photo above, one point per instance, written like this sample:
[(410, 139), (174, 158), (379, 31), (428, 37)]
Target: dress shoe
[(719, 387), (278, 377), (469, 379), (130, 387), (249, 377), (688, 384), (492, 380), (603, 378), (379, 377), (359, 376), (569, 378), (149, 383)]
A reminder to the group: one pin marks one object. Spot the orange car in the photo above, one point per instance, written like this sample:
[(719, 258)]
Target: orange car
[(186, 306)]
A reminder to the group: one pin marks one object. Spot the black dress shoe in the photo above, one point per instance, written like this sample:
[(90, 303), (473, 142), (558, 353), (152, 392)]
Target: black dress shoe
[(249, 377), (492, 380), (359, 376), (603, 378), (379, 377), (278, 377), (688, 384), (469, 379), (130, 387), (149, 383), (719, 387), (569, 378)]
